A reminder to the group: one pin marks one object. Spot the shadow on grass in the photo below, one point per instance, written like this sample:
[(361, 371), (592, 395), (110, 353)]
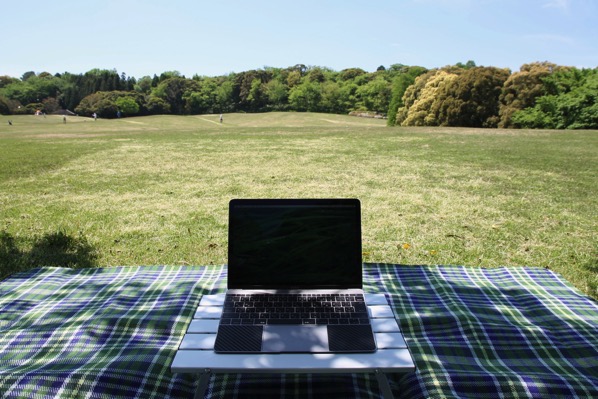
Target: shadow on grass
[(52, 249), (592, 267)]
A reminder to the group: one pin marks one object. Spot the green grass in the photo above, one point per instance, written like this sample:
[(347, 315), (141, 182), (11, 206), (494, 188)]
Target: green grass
[(155, 190)]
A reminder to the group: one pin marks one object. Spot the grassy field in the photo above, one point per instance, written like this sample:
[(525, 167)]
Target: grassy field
[(154, 190)]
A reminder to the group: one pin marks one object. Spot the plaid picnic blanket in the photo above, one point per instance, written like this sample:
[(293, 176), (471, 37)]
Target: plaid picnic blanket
[(494, 333), (473, 333), (113, 332), (97, 333)]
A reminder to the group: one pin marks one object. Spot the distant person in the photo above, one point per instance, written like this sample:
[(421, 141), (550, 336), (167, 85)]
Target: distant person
[(118, 114), (221, 118), (95, 116), (64, 119)]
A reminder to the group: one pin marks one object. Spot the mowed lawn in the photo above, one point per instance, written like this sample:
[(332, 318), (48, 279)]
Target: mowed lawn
[(154, 190)]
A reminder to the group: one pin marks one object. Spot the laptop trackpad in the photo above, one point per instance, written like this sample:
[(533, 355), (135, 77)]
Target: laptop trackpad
[(277, 338)]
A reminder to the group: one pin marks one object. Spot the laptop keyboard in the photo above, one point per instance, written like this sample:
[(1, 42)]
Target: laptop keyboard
[(322, 309)]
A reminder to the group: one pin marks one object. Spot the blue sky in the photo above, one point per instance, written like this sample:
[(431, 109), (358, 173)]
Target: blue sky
[(146, 37)]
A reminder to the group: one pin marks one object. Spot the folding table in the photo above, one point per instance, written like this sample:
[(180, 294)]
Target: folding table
[(196, 352)]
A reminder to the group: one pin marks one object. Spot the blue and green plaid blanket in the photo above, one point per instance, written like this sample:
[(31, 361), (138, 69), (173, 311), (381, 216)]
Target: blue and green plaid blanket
[(113, 333), (97, 333)]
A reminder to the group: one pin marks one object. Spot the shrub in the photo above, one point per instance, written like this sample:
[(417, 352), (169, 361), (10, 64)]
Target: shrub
[(108, 103)]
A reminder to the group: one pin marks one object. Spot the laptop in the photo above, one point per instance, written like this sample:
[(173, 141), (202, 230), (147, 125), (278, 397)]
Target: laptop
[(294, 278)]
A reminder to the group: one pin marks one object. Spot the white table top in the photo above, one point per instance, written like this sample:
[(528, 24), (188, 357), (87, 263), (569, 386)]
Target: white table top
[(196, 352)]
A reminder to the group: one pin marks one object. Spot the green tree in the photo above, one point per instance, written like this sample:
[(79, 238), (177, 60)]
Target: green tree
[(143, 85), (100, 80), (203, 100), (73, 88), (156, 105), (19, 91), (470, 100), (375, 95), (420, 99), (225, 101), (108, 103), (522, 88), (28, 75), (4, 106), (33, 90), (251, 92), (176, 91), (351, 73), (70, 91), (333, 99), (348, 97), (536, 117), (573, 104), (50, 105), (305, 97), (277, 93), (404, 77), (316, 74), (293, 79), (256, 97), (6, 80), (169, 75), (468, 65), (127, 106)]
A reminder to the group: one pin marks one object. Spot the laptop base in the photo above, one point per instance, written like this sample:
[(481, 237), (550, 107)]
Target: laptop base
[(196, 353), (295, 339)]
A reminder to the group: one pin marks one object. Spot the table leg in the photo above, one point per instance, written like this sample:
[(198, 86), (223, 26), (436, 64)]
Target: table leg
[(204, 379), (384, 385)]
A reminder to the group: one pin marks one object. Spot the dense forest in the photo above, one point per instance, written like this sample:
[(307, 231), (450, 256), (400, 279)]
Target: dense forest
[(539, 95)]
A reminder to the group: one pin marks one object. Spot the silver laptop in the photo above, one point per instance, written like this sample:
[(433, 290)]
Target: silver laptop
[(294, 278)]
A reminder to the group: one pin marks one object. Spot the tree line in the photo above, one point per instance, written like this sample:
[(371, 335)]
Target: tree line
[(539, 95)]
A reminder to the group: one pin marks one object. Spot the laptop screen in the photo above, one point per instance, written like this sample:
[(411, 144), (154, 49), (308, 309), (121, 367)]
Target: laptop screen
[(286, 244)]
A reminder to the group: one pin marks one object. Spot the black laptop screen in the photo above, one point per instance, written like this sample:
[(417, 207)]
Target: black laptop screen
[(294, 244)]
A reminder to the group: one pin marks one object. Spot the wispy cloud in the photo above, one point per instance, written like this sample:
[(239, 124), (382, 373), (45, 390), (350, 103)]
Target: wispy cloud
[(558, 4), (446, 3), (550, 39)]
